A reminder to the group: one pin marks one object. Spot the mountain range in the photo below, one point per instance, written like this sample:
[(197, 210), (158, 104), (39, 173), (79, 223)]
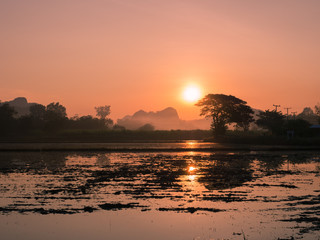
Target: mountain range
[(165, 119)]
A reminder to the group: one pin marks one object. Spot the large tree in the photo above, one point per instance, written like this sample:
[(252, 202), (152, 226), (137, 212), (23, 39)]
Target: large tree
[(223, 110), (56, 111), (243, 117)]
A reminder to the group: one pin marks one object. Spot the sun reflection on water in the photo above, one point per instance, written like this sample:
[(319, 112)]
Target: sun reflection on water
[(191, 178), (191, 144), (191, 173), (191, 169)]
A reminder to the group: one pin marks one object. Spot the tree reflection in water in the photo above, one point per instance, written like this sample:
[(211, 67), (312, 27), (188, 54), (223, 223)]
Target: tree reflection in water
[(225, 171), (149, 172), (144, 175), (74, 182)]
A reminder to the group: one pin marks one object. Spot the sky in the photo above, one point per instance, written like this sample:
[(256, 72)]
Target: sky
[(141, 54)]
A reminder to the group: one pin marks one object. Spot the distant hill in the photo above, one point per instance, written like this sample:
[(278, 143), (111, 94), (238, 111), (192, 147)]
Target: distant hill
[(165, 119), (21, 106)]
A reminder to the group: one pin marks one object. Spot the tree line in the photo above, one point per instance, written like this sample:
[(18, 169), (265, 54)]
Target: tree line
[(50, 119), (223, 110), (227, 109)]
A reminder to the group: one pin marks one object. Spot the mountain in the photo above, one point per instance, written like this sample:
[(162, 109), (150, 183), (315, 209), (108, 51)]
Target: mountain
[(20, 105), (165, 119)]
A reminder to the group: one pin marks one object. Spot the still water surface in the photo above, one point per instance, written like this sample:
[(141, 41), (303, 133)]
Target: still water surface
[(174, 195)]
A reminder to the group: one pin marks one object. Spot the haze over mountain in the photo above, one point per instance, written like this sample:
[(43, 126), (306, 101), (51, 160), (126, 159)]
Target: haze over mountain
[(165, 119)]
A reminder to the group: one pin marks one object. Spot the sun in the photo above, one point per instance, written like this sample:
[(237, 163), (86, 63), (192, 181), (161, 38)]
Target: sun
[(191, 93)]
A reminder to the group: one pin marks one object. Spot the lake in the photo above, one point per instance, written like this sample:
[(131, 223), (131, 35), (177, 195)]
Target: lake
[(160, 195)]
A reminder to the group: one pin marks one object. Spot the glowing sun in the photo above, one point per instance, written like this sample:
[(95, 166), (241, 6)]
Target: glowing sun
[(191, 93)]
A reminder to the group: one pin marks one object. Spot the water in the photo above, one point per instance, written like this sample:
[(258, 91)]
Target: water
[(160, 195)]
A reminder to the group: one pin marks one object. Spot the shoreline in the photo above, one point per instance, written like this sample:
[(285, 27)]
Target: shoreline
[(150, 147)]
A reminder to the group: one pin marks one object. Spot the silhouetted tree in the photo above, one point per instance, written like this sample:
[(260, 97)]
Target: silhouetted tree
[(55, 116), (243, 117), (300, 127), (37, 117), (55, 111), (102, 112), (224, 109), (38, 111), (7, 120), (86, 122), (271, 120)]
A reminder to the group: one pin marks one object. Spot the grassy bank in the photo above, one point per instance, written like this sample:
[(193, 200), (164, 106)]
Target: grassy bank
[(263, 138), (109, 136), (129, 136)]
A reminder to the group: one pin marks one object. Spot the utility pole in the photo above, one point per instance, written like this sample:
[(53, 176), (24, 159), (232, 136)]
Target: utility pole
[(287, 112), (294, 115), (276, 106)]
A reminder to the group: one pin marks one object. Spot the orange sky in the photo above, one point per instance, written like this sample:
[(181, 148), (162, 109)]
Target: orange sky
[(140, 54)]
